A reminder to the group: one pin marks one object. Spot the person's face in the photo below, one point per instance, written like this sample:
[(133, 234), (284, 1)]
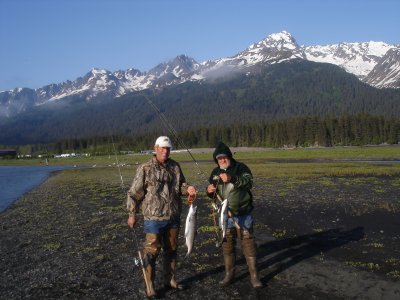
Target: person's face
[(224, 162), (162, 153)]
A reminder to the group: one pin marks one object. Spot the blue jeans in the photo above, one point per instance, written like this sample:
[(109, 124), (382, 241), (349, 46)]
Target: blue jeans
[(160, 227), (244, 221)]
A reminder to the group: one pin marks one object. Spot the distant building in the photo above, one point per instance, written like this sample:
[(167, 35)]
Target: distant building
[(147, 152), (63, 155), (8, 152)]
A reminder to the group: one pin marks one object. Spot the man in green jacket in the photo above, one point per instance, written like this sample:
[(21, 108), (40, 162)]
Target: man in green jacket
[(233, 180)]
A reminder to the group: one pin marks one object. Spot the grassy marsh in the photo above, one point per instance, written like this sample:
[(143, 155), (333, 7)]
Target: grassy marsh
[(312, 207)]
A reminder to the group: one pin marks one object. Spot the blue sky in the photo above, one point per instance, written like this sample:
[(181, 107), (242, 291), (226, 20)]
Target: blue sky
[(50, 41)]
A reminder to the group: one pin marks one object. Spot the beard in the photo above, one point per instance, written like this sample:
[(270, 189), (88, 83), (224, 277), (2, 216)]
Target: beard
[(225, 165)]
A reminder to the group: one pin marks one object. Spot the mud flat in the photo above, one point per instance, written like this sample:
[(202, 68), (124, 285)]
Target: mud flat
[(333, 237)]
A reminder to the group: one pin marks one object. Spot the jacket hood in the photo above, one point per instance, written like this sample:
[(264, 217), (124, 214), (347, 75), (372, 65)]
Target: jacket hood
[(222, 149)]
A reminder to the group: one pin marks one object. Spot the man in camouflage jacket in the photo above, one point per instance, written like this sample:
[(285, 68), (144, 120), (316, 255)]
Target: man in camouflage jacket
[(157, 189)]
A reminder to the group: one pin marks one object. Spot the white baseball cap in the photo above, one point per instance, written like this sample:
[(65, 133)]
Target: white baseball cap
[(163, 141)]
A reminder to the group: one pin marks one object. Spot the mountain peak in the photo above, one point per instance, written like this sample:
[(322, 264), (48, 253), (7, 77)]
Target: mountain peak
[(275, 48), (283, 38), (278, 36), (180, 65), (98, 72), (279, 41)]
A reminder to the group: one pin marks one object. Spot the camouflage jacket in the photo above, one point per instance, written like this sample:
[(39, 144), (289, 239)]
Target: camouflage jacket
[(157, 189)]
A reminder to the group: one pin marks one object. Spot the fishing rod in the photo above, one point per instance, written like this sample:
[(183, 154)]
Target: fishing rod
[(135, 238), (173, 131)]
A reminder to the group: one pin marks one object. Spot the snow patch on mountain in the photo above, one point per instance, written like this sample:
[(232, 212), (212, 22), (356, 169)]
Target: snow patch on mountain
[(355, 58), (387, 71)]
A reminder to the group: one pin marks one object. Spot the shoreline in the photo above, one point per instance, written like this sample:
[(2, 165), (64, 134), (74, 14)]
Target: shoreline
[(67, 238), (27, 186)]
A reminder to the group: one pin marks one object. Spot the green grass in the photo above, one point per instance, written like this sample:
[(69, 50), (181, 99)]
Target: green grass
[(53, 246), (105, 160), (371, 152), (360, 153), (263, 164), (269, 169)]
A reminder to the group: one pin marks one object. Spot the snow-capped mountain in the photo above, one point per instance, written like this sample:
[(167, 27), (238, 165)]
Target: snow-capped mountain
[(375, 63), (386, 72), (355, 58), (275, 48)]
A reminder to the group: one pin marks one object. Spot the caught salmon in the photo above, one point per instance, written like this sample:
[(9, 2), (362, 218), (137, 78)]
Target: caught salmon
[(223, 218), (191, 228)]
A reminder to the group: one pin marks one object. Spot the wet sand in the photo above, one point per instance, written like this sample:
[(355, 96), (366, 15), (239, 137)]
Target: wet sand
[(326, 238)]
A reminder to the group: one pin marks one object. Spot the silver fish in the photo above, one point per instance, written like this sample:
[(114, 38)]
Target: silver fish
[(190, 228), (223, 218)]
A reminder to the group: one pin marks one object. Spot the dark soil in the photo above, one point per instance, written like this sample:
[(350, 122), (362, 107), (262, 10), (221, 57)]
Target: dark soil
[(326, 238)]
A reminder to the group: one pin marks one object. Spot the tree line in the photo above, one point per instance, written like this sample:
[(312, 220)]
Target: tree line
[(328, 131)]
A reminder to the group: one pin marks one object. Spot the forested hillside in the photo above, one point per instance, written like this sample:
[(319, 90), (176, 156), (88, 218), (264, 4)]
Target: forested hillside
[(297, 103)]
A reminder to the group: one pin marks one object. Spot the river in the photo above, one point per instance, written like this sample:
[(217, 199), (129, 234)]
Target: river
[(17, 180)]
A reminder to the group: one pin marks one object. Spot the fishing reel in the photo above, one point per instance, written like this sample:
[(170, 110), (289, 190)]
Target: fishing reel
[(217, 206), (136, 261)]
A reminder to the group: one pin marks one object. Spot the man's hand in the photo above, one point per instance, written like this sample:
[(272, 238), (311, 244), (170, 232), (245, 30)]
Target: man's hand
[(131, 221), (225, 177), (211, 189)]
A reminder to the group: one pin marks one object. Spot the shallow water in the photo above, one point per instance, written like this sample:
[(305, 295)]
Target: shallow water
[(17, 180)]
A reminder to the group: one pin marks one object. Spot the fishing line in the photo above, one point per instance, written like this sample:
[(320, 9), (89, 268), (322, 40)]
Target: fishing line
[(214, 208), (117, 162), (173, 131), (123, 187), (138, 261)]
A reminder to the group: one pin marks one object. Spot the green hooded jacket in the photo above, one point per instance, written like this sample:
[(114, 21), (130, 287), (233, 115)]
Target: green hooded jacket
[(240, 197)]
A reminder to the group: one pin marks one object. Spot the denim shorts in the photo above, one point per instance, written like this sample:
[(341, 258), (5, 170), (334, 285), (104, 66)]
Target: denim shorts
[(159, 227), (244, 221)]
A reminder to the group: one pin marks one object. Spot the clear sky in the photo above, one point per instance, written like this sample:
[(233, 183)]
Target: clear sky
[(50, 41)]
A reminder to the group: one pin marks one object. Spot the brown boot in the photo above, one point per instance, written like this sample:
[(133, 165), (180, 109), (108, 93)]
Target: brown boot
[(170, 248), (170, 275), (228, 248), (249, 251), (150, 253), (252, 264), (149, 274), (229, 260)]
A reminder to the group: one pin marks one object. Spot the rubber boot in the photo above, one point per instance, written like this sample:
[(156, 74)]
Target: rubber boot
[(229, 260), (249, 252), (170, 253), (252, 264), (170, 276), (149, 273), (150, 253), (228, 248)]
